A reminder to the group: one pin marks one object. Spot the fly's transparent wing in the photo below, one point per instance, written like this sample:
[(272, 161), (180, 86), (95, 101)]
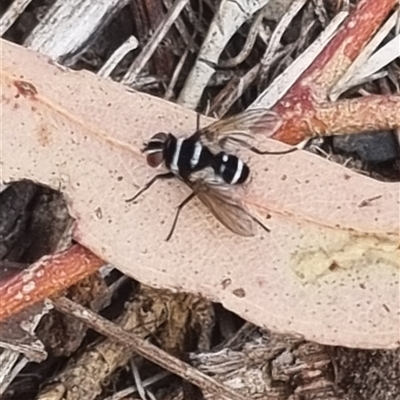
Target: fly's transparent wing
[(228, 210), (247, 129)]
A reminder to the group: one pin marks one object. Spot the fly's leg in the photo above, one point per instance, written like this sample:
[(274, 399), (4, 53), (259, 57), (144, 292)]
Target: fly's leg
[(299, 146), (260, 223), (224, 140), (197, 122), (167, 175), (178, 211), (261, 152)]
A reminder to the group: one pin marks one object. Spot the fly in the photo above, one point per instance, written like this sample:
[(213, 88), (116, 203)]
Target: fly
[(206, 163)]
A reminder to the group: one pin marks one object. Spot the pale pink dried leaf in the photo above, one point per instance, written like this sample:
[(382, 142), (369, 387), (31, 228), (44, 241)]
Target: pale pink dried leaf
[(329, 269)]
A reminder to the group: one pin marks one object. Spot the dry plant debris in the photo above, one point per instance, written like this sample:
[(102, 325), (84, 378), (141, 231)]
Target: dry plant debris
[(157, 315), (339, 284), (77, 145)]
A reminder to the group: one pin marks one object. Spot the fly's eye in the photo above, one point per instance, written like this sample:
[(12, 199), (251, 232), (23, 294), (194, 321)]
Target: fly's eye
[(155, 159)]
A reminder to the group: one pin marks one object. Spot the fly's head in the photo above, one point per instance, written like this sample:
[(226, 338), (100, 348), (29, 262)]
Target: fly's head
[(155, 149)]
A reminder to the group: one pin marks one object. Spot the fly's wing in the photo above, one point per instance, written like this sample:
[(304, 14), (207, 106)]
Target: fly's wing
[(247, 129), (228, 210)]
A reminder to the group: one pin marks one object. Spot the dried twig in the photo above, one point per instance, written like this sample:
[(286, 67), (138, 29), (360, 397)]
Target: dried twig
[(237, 85), (181, 27), (68, 26), (301, 109), (11, 367), (321, 12), (170, 89), (235, 89), (365, 65), (286, 80), (148, 50), (229, 18), (16, 8), (249, 44), (146, 349), (169, 93), (46, 277), (130, 44), (122, 394), (275, 42)]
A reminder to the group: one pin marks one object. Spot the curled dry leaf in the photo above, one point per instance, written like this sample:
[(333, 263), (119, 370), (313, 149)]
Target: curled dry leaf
[(329, 269)]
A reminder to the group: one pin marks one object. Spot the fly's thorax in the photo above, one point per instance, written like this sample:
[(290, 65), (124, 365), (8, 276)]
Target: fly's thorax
[(185, 156), (231, 168)]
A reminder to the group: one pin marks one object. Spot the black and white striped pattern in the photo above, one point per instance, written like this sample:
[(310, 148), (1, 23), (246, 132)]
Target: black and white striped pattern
[(231, 168), (185, 156)]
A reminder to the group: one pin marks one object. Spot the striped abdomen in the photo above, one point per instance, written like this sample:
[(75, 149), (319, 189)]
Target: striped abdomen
[(185, 156), (231, 168)]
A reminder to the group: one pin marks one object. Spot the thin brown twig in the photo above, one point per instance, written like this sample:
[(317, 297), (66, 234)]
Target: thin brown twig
[(146, 349)]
